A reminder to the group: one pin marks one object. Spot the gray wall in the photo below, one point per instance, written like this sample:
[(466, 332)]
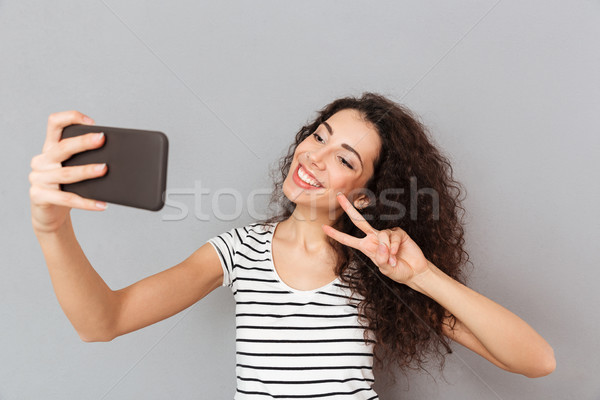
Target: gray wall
[(510, 91)]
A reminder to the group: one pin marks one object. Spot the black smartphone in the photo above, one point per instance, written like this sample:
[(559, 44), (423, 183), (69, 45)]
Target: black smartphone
[(136, 163)]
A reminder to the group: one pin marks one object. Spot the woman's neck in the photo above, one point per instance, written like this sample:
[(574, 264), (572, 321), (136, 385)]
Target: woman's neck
[(304, 232)]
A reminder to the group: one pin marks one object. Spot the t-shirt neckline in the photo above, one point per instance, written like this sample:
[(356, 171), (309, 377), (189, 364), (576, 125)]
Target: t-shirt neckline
[(281, 282)]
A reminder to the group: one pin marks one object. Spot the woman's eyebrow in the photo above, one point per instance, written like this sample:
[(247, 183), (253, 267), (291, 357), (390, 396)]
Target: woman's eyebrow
[(344, 145)]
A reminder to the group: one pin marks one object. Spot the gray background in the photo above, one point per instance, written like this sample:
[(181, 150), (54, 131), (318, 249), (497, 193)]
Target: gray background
[(510, 91)]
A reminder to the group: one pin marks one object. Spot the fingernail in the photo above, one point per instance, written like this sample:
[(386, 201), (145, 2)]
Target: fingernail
[(392, 261), (88, 120), (382, 248), (99, 136), (101, 204), (338, 193), (100, 167)]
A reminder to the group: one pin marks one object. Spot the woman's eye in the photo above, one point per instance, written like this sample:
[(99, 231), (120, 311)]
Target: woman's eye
[(343, 160), (346, 163)]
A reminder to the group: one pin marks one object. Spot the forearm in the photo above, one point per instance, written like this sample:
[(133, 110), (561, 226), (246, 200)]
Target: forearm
[(506, 336), (84, 297)]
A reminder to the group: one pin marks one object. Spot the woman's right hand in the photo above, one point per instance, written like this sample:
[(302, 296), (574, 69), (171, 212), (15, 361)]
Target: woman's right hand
[(50, 206)]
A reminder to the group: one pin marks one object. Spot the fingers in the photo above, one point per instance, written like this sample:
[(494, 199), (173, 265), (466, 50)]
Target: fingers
[(397, 237), (66, 174), (390, 241), (384, 250), (57, 121), (354, 215), (50, 205), (342, 237), (395, 241), (64, 149), (42, 196), (384, 237)]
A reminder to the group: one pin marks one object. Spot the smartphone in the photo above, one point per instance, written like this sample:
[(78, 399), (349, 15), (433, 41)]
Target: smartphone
[(136, 163)]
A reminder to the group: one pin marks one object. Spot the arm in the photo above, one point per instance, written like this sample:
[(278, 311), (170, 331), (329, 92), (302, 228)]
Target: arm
[(100, 314), (82, 294), (96, 312), (168, 292), (486, 327), (461, 334)]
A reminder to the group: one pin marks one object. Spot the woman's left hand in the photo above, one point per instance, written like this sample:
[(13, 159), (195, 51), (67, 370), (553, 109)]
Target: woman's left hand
[(392, 250)]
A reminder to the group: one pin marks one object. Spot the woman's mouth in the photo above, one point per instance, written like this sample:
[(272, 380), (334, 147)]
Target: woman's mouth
[(304, 180)]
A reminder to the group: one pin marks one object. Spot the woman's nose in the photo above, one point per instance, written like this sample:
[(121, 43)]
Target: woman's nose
[(315, 157)]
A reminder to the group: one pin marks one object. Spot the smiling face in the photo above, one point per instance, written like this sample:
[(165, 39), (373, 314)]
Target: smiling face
[(337, 157)]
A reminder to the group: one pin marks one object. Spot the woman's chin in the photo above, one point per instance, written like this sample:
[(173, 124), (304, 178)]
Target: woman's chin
[(299, 194)]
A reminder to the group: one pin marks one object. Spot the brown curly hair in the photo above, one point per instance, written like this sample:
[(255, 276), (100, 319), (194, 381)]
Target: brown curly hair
[(407, 324)]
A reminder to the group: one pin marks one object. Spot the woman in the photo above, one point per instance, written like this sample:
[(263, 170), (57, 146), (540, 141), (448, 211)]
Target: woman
[(327, 286)]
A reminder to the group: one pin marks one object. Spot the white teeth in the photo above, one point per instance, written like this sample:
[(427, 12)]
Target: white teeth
[(306, 178)]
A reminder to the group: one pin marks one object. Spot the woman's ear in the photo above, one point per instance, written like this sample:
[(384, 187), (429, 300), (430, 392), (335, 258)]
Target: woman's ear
[(361, 202)]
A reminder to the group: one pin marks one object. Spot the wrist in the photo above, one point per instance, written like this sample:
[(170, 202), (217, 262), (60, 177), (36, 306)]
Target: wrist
[(421, 281), (43, 232)]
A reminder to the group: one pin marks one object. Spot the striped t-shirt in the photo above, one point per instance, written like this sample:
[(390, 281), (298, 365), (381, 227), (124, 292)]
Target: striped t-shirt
[(291, 344)]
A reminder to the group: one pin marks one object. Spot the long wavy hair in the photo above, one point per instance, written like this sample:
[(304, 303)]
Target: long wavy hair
[(406, 324)]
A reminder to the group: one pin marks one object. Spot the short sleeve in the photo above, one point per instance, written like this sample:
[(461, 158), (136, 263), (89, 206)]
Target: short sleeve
[(225, 244)]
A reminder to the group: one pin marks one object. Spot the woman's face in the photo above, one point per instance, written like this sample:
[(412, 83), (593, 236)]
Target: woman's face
[(337, 157)]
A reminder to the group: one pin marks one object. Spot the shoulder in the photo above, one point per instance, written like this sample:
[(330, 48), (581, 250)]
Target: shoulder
[(259, 228), (257, 233), (254, 232)]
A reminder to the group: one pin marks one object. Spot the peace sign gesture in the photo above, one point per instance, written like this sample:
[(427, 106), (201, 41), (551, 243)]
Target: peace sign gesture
[(392, 250)]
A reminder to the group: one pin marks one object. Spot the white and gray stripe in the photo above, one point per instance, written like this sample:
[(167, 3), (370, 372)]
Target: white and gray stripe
[(291, 344)]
